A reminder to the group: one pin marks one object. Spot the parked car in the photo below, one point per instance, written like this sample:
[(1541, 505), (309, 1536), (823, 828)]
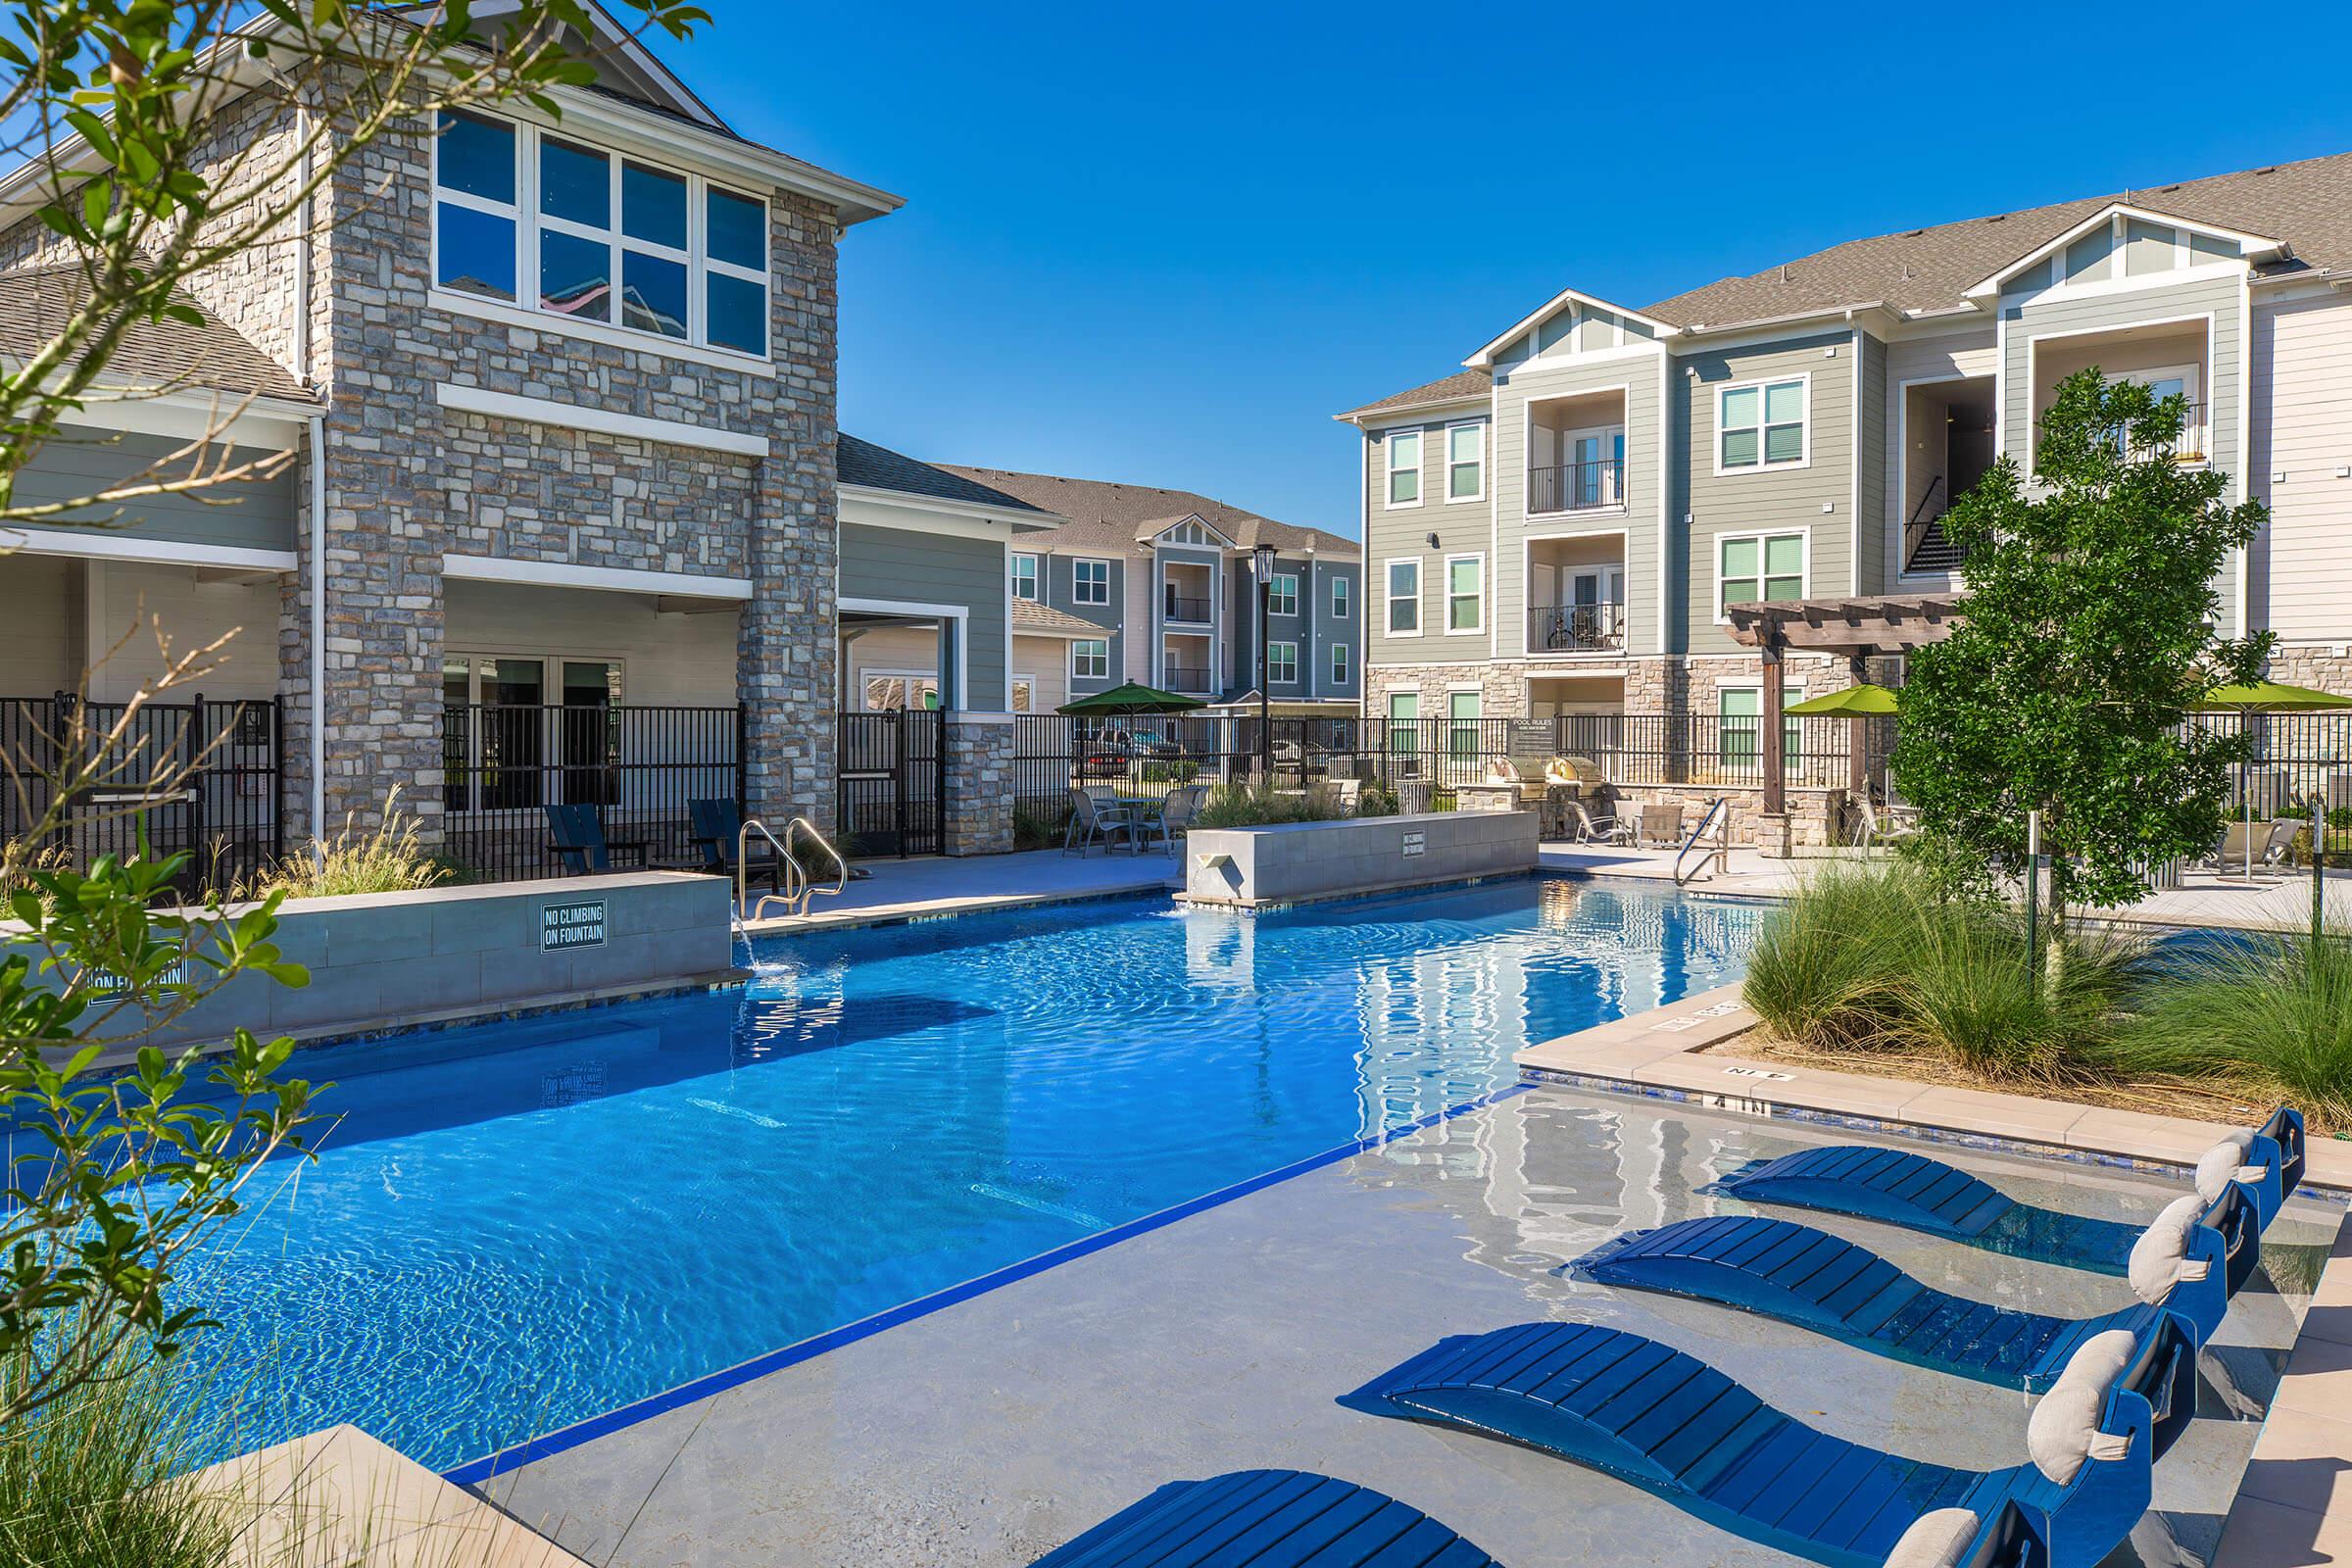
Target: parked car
[(1115, 748)]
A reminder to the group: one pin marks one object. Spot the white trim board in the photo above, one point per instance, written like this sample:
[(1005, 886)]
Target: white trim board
[(598, 422), (608, 579), (140, 548)]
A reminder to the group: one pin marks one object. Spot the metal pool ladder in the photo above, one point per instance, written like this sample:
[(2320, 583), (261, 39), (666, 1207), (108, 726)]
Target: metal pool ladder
[(1719, 817), (799, 887)]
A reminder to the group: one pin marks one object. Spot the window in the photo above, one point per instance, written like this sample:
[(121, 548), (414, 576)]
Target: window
[(1465, 593), (1759, 567), (1404, 721), (1282, 599), (1281, 663), (531, 731), (1024, 692), (1090, 582), (1465, 462), (1405, 599), (1739, 729), (889, 691), (1464, 710), (1404, 467), (1339, 599), (1762, 425), (1024, 577), (607, 240), (1090, 658), (1338, 663)]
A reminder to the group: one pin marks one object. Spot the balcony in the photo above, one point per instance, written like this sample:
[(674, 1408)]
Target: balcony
[(1187, 681), (1183, 607), (2170, 360), (1577, 486), (1588, 629)]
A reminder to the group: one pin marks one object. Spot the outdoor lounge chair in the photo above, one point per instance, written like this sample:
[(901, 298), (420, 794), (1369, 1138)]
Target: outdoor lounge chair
[(1674, 1426), (1267, 1519), (1176, 814), (1926, 1195), (1096, 814), (577, 839), (1778, 1269), (1590, 829), (717, 828)]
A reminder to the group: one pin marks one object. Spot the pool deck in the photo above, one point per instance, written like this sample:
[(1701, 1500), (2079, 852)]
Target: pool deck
[(983, 1434)]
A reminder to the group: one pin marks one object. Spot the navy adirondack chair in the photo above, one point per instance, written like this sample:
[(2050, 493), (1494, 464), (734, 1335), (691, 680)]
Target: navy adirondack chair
[(716, 826), (576, 835)]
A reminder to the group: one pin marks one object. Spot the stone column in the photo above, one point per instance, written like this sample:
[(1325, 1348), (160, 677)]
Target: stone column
[(979, 804)]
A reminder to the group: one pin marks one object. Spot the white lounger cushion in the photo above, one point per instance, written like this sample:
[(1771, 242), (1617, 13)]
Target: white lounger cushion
[(1935, 1540), (2226, 1162), (2064, 1429), (2160, 1257)]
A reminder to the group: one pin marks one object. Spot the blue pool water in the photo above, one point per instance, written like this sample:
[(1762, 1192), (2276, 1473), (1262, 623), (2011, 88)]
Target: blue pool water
[(518, 1226)]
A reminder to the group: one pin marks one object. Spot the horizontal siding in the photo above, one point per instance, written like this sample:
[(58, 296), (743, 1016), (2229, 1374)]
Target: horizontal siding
[(1784, 500), (2300, 398), (1644, 470), (41, 644), (938, 569), (256, 515), (1868, 534), (666, 661), (1959, 356), (1398, 532), (1046, 661), (123, 599)]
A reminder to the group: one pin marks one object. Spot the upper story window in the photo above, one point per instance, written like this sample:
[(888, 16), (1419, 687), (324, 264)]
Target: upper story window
[(1090, 658), (1405, 599), (1281, 663), (1764, 424), (1339, 599), (1338, 663), (1404, 467), (1755, 567), (553, 224), (1282, 597), (1090, 582), (1024, 576), (1465, 593), (1465, 462)]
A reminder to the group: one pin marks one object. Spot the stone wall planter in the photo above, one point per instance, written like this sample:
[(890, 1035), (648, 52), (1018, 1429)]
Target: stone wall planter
[(1298, 861)]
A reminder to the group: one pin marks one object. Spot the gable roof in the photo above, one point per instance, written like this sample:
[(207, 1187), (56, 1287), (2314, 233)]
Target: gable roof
[(1108, 515), (869, 467), (35, 303), (1033, 618), (1458, 387)]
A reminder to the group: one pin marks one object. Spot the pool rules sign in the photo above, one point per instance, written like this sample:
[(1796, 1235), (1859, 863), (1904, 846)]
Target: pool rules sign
[(576, 924)]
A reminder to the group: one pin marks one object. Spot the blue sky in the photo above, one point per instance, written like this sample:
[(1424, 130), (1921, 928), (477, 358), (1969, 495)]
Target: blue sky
[(1165, 244)]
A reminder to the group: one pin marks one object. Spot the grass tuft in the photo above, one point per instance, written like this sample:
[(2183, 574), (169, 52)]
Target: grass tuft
[(2273, 1013), (386, 859)]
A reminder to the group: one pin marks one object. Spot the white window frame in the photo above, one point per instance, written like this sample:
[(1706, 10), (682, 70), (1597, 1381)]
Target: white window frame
[(914, 679), (1805, 538), (1788, 723), (1338, 663), (1758, 385), (1015, 568), (1287, 651), (1390, 718), (1390, 468), (1478, 461), (1339, 599), (524, 212), (1013, 690), (1076, 583), (1076, 643), (1390, 598), (1277, 596), (1447, 596)]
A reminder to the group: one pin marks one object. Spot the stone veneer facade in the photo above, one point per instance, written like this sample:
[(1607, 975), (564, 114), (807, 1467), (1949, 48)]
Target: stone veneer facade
[(978, 814), (407, 481)]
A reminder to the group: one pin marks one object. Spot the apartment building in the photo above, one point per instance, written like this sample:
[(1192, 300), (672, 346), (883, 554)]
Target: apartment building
[(1145, 584), (1559, 525)]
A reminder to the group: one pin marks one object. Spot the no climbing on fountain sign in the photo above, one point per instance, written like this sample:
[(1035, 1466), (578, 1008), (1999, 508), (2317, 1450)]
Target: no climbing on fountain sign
[(579, 924)]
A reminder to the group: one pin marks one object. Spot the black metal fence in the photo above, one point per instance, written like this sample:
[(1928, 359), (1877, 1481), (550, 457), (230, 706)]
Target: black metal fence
[(202, 777), (504, 765), (2297, 761), (894, 782)]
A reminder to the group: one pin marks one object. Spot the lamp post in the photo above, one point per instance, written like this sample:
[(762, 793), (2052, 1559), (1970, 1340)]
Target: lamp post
[(1261, 563)]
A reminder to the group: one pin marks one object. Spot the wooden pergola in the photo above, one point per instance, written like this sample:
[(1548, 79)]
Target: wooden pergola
[(1857, 627)]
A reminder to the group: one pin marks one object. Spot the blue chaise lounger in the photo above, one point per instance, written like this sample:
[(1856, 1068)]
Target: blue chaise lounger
[(1290, 1519), (1667, 1422), (1926, 1195), (2186, 1266)]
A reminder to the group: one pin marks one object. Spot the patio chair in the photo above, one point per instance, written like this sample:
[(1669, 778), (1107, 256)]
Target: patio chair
[(717, 828), (576, 835), (1665, 1421), (1348, 793), (1778, 1269), (1661, 823), (1175, 816), (1896, 1187), (1097, 813), (1875, 826), (1590, 829)]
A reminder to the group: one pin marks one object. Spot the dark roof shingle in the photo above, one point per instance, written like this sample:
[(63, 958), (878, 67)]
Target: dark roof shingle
[(37, 301), (1108, 515), (877, 467), (1446, 389)]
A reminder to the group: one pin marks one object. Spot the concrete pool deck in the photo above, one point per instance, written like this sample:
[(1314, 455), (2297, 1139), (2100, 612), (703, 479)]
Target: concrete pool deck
[(985, 1433)]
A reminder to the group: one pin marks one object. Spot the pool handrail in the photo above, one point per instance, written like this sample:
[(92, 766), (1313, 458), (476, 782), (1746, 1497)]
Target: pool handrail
[(800, 888), (1717, 809)]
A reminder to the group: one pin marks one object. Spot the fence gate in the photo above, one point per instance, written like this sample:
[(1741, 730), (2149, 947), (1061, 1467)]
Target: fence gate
[(893, 781)]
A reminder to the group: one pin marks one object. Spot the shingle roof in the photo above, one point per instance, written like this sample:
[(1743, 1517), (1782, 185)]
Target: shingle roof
[(35, 303), (1029, 615), (877, 467), (1446, 389), (1108, 515)]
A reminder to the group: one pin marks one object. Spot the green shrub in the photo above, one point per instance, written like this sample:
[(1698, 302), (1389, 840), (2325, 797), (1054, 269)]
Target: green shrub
[(1263, 804), (1375, 800), (1827, 964), (2273, 1013), (2340, 818), (1039, 827), (1169, 773), (386, 859)]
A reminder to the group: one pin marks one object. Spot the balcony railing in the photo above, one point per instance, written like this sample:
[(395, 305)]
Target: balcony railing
[(2193, 446), (1575, 628), (1181, 607), (1577, 486), (1180, 678)]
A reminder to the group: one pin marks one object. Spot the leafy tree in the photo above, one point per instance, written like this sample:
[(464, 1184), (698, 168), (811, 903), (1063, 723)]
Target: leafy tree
[(2087, 636)]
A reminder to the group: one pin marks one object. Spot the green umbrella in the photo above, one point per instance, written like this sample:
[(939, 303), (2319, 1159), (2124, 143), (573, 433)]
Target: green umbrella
[(2263, 697), (1133, 698), (1861, 700)]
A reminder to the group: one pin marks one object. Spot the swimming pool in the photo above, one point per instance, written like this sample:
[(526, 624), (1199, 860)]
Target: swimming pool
[(518, 1226)]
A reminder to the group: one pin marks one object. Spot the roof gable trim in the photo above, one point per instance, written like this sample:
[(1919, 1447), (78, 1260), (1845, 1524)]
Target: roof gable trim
[(1484, 359), (2250, 247)]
